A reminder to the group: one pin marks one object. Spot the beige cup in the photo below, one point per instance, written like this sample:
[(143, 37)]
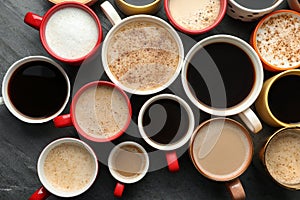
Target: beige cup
[(281, 157), (262, 103), (221, 149)]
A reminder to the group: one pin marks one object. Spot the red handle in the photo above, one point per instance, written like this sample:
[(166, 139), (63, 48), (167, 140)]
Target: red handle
[(119, 189), (33, 20), (40, 194), (172, 161), (63, 121)]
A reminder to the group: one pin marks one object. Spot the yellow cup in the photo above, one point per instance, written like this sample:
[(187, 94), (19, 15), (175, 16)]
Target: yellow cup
[(130, 9), (262, 103), (280, 157)]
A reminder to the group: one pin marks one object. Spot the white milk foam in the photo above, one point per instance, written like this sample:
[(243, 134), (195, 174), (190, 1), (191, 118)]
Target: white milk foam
[(71, 33), (283, 157), (278, 40), (69, 167)]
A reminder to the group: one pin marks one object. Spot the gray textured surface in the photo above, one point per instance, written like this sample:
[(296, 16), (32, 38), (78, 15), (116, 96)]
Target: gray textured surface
[(21, 143)]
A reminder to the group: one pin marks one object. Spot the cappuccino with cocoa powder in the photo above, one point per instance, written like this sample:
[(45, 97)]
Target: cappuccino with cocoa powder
[(142, 55)]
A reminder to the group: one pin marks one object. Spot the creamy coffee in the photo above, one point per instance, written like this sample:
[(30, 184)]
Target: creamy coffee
[(226, 153), (142, 55), (278, 40), (129, 161), (196, 14), (69, 167), (282, 157), (101, 111), (71, 33)]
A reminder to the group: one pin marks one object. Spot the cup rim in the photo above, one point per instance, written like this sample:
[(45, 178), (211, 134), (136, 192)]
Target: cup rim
[(263, 156), (132, 6), (42, 158), (180, 142), (49, 14), (199, 31), (16, 65), (258, 71), (129, 180), (253, 40), (73, 105), (277, 3), (242, 168), (153, 19), (272, 81)]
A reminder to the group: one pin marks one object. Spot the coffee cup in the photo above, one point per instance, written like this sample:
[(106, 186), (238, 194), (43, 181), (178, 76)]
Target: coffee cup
[(66, 167), (222, 75), (142, 54), (278, 102), (281, 159), (276, 40), (194, 17), (100, 112), (69, 31), (133, 7), (221, 149), (294, 5), (128, 163), (166, 123), (248, 11), (35, 89), (86, 2)]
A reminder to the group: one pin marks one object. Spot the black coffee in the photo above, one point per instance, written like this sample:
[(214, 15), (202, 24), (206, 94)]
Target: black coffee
[(284, 99), (139, 2), (165, 121), (256, 4), (221, 75), (38, 89)]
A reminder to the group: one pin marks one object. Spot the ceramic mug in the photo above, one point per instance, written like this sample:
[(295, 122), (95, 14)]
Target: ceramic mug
[(23, 92), (191, 18), (128, 163), (281, 159), (69, 31), (294, 4), (86, 2), (56, 163), (278, 101), (221, 149), (159, 117), (276, 41), (140, 7), (100, 111), (142, 54), (208, 86), (245, 13)]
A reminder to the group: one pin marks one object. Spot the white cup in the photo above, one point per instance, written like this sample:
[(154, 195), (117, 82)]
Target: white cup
[(5, 99), (47, 189), (118, 191), (242, 13), (119, 23), (170, 148), (242, 108)]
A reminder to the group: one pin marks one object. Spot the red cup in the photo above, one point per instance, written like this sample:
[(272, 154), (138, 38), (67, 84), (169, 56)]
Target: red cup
[(222, 11), (40, 23), (70, 119)]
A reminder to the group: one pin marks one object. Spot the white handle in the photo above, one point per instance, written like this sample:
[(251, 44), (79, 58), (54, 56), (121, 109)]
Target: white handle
[(251, 120), (111, 13), (1, 101)]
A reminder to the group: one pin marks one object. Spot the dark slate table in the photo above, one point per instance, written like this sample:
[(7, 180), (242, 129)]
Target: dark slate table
[(21, 143)]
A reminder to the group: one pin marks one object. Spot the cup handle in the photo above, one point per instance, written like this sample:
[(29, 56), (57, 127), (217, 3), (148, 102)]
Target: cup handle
[(119, 189), (33, 20), (1, 101), (172, 161), (251, 120), (236, 189), (40, 194), (63, 121), (111, 13)]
